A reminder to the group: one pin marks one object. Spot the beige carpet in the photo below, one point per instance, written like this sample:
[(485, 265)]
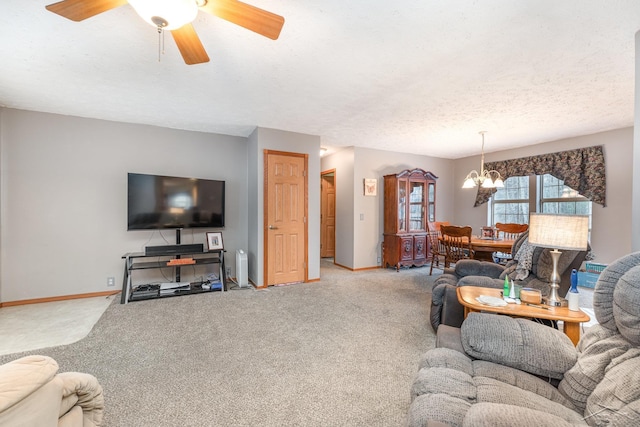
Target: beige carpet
[(339, 352)]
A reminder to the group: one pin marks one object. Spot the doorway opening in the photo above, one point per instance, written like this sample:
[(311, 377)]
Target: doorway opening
[(328, 214)]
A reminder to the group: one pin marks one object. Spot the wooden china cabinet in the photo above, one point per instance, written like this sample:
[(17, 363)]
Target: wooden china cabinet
[(409, 205)]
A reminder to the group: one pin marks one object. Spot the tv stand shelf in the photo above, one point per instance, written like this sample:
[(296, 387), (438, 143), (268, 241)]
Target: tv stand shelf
[(136, 261)]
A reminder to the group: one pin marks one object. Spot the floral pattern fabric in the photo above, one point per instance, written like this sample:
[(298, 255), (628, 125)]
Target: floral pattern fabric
[(582, 169), (525, 260)]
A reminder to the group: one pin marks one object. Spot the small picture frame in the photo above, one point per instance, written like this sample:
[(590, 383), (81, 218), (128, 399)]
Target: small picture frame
[(214, 241), (370, 187), (488, 233)]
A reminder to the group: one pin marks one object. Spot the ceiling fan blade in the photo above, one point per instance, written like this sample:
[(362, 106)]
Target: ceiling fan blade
[(190, 45), (79, 10), (250, 17)]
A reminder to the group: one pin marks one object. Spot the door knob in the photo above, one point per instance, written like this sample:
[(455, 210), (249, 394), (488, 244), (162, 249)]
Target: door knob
[(273, 227)]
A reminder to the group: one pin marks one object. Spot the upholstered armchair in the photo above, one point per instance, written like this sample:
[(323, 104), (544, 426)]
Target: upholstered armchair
[(32, 393), (530, 268), (502, 371)]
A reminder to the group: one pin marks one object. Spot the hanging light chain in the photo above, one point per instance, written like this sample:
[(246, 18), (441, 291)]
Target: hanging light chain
[(160, 42)]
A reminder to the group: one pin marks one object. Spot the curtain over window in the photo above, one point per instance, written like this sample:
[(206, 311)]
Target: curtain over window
[(581, 169)]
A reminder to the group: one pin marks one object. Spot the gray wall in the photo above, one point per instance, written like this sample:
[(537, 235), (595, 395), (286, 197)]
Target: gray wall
[(64, 197), (635, 185), (342, 161), (254, 208), (610, 236)]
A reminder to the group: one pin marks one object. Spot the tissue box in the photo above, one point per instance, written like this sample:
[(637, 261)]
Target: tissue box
[(587, 279)]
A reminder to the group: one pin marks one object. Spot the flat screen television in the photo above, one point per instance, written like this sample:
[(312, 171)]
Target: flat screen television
[(157, 202)]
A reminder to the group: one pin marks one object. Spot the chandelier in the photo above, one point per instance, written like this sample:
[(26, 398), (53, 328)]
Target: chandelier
[(486, 178)]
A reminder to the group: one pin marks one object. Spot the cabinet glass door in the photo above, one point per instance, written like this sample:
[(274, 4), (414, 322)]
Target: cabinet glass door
[(431, 201), (402, 205), (416, 205)]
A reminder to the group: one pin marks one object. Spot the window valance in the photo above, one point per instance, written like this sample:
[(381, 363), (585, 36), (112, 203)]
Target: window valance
[(581, 169)]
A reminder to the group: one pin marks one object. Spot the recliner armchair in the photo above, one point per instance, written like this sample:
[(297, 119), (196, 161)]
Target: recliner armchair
[(32, 393), (445, 308), (505, 371)]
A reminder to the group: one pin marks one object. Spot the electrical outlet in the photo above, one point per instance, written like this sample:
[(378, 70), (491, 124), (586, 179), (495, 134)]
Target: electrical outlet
[(111, 281), (228, 271), (379, 260)]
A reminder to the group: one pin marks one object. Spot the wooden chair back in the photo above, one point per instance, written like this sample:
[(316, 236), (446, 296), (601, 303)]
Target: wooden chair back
[(457, 243), (510, 231)]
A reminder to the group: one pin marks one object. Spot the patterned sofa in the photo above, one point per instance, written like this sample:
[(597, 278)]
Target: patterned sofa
[(505, 370)]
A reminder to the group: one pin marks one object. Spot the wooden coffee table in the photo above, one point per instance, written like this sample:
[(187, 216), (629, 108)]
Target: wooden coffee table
[(571, 319)]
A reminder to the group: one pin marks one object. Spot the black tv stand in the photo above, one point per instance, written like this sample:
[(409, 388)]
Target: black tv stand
[(141, 261)]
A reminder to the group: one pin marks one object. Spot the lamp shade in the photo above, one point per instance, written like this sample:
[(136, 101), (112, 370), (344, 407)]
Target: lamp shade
[(568, 232), (469, 183)]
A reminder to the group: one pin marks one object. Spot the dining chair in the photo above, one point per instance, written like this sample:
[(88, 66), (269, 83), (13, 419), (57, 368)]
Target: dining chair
[(437, 249), (510, 231), (457, 243), (507, 231)]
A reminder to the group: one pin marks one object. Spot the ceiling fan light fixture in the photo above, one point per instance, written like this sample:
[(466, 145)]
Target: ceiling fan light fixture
[(166, 14), (177, 16)]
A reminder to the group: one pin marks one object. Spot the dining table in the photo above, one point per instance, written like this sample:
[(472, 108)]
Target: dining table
[(484, 247)]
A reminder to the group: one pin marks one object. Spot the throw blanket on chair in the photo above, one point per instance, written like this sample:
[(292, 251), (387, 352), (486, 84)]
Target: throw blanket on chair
[(525, 260)]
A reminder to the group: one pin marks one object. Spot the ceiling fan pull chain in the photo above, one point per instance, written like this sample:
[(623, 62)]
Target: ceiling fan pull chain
[(160, 42), (163, 32)]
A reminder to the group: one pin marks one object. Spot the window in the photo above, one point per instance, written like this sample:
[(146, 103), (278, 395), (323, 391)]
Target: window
[(557, 198), (511, 203), (543, 193)]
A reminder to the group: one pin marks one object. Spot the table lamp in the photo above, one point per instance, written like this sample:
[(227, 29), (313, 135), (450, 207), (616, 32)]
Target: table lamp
[(568, 232)]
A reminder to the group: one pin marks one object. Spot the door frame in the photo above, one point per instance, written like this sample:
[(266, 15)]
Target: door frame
[(265, 205)]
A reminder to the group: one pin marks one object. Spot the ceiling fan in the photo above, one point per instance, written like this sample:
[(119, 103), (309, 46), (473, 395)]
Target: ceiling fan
[(177, 15)]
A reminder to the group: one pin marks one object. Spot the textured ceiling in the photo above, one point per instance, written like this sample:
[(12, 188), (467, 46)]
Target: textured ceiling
[(418, 76)]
